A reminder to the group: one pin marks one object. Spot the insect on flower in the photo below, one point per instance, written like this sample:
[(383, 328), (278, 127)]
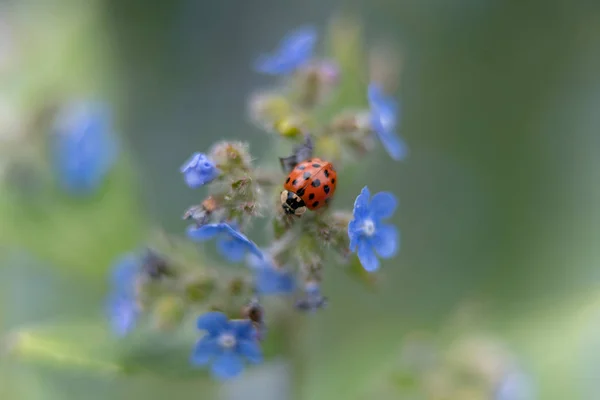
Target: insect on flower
[(310, 185)]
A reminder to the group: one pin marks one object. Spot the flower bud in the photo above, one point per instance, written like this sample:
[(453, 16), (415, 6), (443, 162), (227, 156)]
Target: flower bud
[(168, 312)]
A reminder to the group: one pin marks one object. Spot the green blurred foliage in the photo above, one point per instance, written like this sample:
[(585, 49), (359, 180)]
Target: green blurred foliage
[(498, 201)]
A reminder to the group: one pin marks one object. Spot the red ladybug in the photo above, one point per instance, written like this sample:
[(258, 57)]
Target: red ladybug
[(310, 185)]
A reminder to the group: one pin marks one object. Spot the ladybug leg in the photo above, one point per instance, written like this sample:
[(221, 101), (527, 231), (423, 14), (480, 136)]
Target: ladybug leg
[(305, 150), (299, 154), (288, 163)]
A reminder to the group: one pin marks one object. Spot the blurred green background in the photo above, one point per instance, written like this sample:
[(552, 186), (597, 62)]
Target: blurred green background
[(498, 199)]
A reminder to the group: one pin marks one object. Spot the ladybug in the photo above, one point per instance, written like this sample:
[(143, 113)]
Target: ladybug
[(309, 185)]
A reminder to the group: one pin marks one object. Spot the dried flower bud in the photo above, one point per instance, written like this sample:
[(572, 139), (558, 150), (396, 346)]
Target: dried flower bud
[(231, 155), (268, 107), (236, 286)]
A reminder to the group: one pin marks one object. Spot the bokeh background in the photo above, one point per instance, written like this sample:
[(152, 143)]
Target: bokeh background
[(499, 199)]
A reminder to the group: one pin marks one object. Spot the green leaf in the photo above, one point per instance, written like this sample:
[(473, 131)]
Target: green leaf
[(83, 234)]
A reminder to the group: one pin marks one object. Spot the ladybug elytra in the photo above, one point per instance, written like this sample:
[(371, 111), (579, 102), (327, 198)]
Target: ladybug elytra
[(309, 185)]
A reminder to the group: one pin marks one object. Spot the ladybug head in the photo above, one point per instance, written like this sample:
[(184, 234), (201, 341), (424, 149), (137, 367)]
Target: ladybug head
[(292, 204)]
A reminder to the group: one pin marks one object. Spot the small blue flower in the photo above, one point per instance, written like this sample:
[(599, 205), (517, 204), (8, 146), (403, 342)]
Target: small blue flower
[(199, 170), (294, 51), (269, 279), (226, 345), (83, 147), (122, 306), (515, 385), (368, 234), (384, 120), (313, 300), (231, 244)]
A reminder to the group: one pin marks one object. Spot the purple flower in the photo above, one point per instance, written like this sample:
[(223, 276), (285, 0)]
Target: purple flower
[(226, 345), (231, 244), (384, 120), (294, 51), (83, 147), (368, 233), (199, 170), (122, 306)]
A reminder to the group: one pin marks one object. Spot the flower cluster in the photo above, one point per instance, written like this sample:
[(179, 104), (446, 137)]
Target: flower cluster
[(297, 200)]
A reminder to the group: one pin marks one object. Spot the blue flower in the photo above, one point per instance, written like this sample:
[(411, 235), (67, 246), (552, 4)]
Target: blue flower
[(384, 120), (269, 279), (199, 170), (83, 147), (368, 234), (226, 345), (313, 299), (515, 385), (122, 306), (294, 51), (231, 244)]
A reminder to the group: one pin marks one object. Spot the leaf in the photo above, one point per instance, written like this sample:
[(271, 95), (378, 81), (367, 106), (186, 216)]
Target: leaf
[(83, 234)]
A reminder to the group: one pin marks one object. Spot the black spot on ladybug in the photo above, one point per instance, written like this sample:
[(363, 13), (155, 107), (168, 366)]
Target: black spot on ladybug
[(326, 173), (301, 167), (315, 204), (293, 182), (326, 189), (316, 183), (300, 192), (288, 180), (311, 196), (307, 175), (333, 180), (316, 165)]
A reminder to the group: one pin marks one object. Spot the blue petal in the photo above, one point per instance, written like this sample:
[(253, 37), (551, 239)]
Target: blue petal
[(84, 148), (383, 205), (213, 322), (243, 329), (251, 350), (199, 170), (243, 240), (123, 314), (353, 234), (294, 51), (124, 272), (382, 103), (301, 40), (231, 249), (206, 349), (205, 232), (228, 365), (361, 204), (386, 240), (392, 143), (367, 256), (270, 281)]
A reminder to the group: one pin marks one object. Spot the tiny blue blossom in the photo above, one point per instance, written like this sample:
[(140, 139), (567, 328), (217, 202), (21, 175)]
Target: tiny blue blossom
[(368, 234), (294, 51), (122, 306), (515, 385), (384, 117), (270, 280), (226, 344), (231, 244), (313, 299), (199, 170), (83, 147)]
